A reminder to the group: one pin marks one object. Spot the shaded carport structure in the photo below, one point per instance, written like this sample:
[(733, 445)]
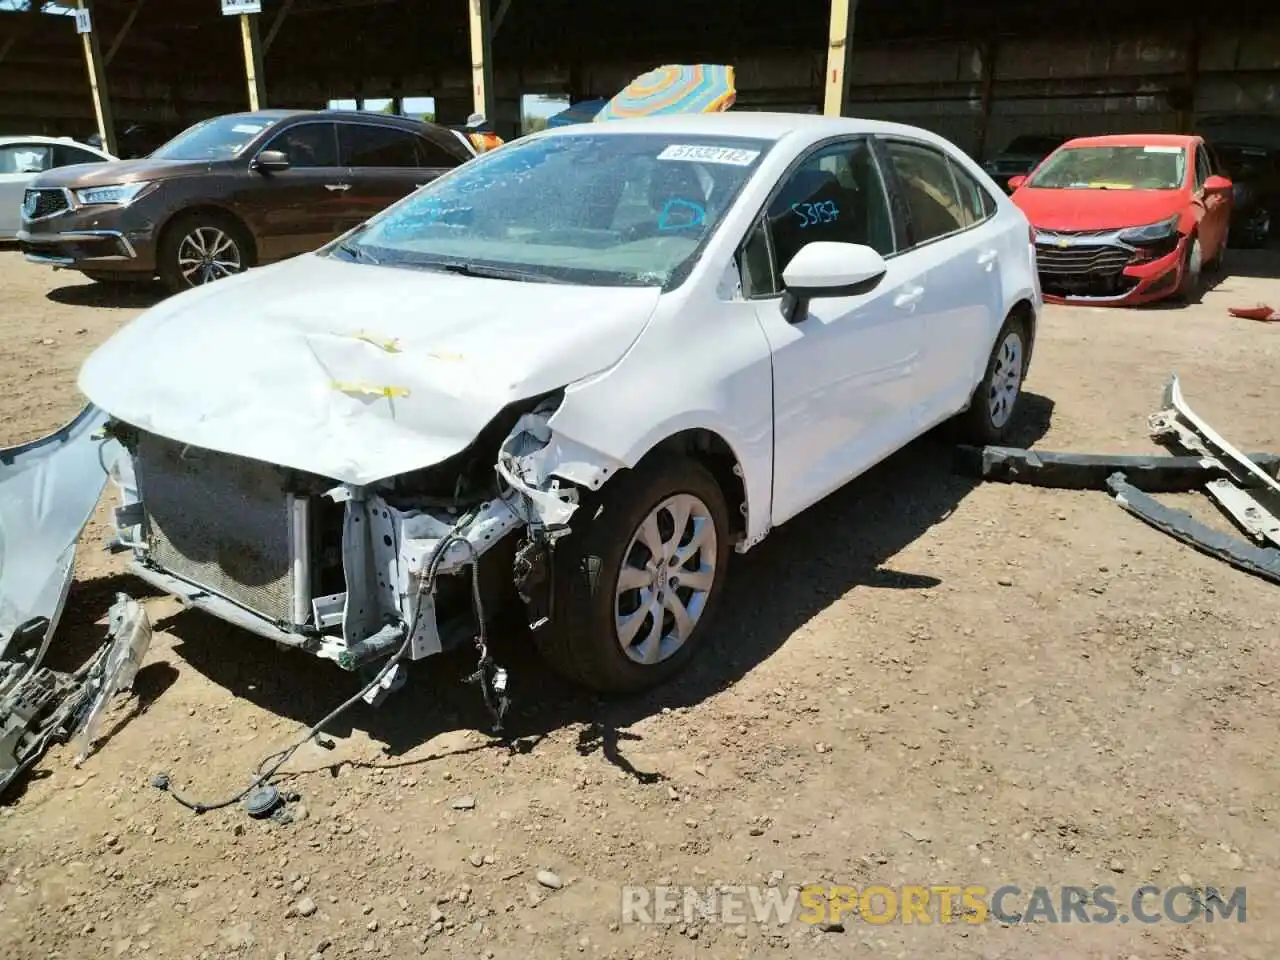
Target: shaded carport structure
[(978, 73)]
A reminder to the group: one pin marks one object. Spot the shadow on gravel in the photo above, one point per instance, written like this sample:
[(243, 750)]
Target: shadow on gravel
[(802, 568), (1262, 264), (119, 296)]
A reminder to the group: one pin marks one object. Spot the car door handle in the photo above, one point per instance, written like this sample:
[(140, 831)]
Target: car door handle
[(988, 258), (337, 186), (908, 298)]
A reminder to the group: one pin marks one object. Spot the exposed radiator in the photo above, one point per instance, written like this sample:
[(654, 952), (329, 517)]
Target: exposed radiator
[(221, 522)]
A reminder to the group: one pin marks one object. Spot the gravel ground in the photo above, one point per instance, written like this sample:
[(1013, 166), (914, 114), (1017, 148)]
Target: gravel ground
[(921, 681)]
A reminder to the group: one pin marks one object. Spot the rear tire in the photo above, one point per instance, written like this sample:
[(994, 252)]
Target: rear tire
[(995, 401), (627, 617), (202, 247)]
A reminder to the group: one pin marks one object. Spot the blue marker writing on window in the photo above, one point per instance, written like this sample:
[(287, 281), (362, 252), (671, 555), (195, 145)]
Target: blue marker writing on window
[(681, 215), (811, 214)]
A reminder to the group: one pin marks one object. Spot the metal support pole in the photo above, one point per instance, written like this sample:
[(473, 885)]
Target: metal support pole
[(481, 57), (276, 24), (988, 58), (97, 78), (838, 49), (253, 61), (124, 30)]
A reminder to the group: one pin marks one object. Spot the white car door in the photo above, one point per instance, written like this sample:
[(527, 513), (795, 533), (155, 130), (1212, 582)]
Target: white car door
[(19, 164), (846, 374), (955, 249)]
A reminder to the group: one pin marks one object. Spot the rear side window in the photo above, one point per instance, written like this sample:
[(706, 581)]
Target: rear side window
[(308, 145), (929, 189), (369, 146), (65, 156)]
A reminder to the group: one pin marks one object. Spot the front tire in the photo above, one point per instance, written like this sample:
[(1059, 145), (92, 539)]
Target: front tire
[(995, 401), (1192, 267), (639, 578), (199, 248)]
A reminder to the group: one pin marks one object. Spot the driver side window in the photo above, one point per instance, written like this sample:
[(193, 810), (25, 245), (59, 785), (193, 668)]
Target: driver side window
[(1203, 168), (308, 145), (835, 194)]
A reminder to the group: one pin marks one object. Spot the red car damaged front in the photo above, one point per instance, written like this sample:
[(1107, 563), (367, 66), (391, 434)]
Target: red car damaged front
[(1125, 220)]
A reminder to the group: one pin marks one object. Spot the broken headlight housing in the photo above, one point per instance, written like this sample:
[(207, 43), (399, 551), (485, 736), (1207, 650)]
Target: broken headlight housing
[(1154, 239)]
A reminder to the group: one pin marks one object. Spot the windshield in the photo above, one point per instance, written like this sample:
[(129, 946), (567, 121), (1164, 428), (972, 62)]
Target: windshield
[(218, 139), (1113, 168), (594, 208)]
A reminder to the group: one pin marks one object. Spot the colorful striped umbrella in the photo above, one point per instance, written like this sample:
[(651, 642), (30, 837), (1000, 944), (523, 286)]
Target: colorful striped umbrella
[(582, 112), (693, 88)]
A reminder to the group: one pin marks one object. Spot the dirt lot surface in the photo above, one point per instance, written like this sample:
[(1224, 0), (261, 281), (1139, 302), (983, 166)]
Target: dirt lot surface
[(921, 681)]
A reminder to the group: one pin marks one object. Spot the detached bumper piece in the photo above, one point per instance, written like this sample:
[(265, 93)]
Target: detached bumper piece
[(40, 707), (1245, 487), (1092, 471), (1260, 561)]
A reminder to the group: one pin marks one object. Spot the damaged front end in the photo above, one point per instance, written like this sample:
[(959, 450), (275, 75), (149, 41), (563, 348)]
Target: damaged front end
[(349, 572)]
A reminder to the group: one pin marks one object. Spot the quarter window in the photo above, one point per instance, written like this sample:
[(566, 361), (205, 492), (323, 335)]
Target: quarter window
[(308, 145), (369, 146), (432, 154), (975, 201), (930, 192)]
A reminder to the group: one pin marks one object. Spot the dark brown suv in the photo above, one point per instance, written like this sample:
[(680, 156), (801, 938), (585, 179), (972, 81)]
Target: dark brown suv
[(231, 193)]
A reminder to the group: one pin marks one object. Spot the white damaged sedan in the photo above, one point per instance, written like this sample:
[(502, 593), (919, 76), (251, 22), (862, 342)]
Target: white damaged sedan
[(576, 374)]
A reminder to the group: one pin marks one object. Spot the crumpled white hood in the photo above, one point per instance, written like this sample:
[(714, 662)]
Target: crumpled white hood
[(272, 365)]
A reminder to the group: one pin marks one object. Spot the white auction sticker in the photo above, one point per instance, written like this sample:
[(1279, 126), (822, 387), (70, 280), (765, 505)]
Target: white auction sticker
[(248, 128), (697, 154), (1162, 149)]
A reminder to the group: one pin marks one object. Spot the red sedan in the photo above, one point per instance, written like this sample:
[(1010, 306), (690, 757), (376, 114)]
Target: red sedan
[(1125, 219)]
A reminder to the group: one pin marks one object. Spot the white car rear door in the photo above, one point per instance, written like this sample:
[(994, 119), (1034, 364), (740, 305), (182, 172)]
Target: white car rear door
[(956, 252)]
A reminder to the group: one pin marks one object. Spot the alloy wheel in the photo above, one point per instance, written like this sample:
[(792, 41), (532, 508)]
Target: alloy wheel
[(1006, 379), (207, 254), (666, 577)]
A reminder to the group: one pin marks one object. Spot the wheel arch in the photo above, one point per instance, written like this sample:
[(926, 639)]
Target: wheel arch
[(177, 216), (714, 452), (1025, 310), (704, 445)]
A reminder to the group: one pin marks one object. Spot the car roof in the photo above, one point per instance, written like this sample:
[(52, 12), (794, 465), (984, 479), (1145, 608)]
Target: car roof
[(1136, 140), (746, 123), (35, 138), (275, 115)]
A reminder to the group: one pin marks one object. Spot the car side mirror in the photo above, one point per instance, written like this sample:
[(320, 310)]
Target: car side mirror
[(826, 268), (1217, 184), (1016, 182), (271, 161)]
